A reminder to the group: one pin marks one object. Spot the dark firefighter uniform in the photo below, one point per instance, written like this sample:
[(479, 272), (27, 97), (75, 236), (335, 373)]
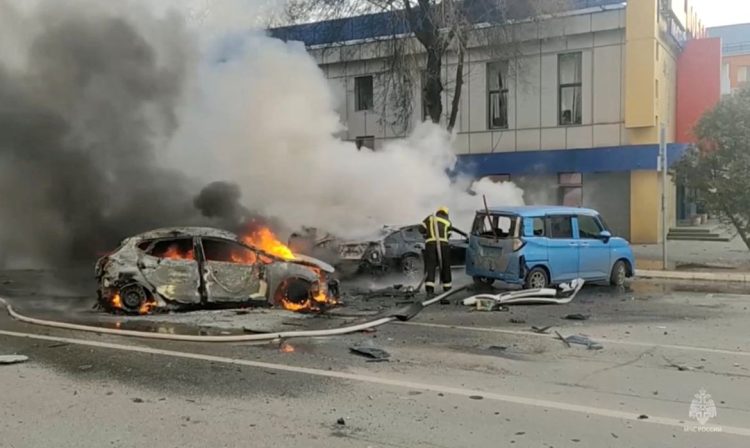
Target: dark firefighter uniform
[(436, 230)]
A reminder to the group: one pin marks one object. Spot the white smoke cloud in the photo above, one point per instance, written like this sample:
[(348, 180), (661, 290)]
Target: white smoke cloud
[(266, 119)]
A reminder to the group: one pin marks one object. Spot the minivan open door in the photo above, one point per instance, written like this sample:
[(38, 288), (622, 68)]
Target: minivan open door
[(491, 244)]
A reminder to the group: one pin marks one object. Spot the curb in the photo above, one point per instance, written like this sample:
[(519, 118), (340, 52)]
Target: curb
[(703, 276)]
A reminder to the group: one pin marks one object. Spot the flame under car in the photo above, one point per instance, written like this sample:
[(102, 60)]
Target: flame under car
[(188, 268)]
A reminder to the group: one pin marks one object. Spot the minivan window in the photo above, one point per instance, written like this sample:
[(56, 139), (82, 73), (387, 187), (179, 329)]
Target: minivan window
[(539, 227), (501, 226), (560, 227), (588, 227)]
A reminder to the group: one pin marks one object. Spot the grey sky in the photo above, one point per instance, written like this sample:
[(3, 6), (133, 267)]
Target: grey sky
[(723, 12)]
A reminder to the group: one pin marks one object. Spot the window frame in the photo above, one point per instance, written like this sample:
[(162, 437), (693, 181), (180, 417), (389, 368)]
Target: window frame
[(149, 250), (596, 221), (563, 187), (358, 106), (502, 90), (204, 239), (548, 227), (562, 86)]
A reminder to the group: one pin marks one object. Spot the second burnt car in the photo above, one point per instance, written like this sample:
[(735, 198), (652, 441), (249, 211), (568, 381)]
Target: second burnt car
[(197, 267), (392, 249)]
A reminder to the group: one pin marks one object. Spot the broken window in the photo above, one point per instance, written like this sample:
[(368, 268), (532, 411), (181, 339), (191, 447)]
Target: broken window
[(588, 227), (491, 226), (173, 249), (497, 95), (367, 141), (570, 95), (411, 234), (228, 252), (363, 93), (560, 227), (538, 227)]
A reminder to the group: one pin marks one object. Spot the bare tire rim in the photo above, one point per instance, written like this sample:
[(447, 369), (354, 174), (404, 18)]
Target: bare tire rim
[(410, 267), (537, 280)]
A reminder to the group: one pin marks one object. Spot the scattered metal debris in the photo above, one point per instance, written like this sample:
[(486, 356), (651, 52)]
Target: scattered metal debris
[(680, 367), (514, 320), (476, 397), (138, 400), (369, 350), (541, 330), (564, 294), (580, 340), (642, 417), (13, 359), (576, 316), (341, 421)]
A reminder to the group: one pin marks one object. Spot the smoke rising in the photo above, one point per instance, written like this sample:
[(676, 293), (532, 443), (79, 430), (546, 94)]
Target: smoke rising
[(113, 117), (268, 123), (86, 97)]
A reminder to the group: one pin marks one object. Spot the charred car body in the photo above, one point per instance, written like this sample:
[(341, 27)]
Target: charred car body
[(199, 267), (393, 249)]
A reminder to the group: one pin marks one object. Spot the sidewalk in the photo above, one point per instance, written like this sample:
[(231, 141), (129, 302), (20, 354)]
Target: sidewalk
[(695, 260)]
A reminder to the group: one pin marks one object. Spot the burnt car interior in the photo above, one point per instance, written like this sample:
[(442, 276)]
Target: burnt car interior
[(494, 226)]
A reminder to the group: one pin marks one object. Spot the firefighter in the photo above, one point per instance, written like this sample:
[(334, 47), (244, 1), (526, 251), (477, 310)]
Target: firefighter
[(436, 230)]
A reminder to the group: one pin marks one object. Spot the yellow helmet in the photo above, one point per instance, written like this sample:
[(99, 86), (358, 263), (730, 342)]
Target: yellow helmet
[(443, 209)]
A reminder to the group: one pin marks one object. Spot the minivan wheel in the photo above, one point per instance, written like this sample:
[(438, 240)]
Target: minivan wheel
[(619, 273), (537, 278), (484, 281)]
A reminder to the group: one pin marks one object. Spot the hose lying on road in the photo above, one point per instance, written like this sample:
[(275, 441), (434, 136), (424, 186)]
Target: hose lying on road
[(236, 338)]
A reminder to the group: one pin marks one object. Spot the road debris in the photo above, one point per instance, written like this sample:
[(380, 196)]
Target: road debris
[(138, 400), (514, 320), (642, 417), (369, 350), (680, 367), (580, 340), (341, 421), (564, 294), (13, 359), (541, 330), (576, 316), (85, 367)]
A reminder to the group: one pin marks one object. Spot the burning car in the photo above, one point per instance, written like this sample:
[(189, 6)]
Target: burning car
[(198, 267), (393, 249)]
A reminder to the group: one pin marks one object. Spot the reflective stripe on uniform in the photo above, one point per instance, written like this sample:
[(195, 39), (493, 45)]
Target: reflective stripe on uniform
[(447, 285), (429, 284), (432, 228)]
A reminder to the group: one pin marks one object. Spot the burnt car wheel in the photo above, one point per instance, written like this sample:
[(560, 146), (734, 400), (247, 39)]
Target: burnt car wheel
[(133, 297), (537, 278), (294, 291), (411, 266)]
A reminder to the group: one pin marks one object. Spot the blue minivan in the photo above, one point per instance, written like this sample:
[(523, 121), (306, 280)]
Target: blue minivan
[(539, 246)]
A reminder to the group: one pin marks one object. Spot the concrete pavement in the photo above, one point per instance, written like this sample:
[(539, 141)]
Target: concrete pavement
[(456, 378)]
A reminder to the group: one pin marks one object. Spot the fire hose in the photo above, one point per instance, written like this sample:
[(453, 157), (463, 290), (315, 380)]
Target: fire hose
[(402, 314)]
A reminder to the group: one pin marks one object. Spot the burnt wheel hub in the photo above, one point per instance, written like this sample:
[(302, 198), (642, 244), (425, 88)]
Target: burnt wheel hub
[(132, 296)]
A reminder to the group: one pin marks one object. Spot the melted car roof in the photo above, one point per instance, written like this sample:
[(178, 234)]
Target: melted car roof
[(169, 232), (540, 210)]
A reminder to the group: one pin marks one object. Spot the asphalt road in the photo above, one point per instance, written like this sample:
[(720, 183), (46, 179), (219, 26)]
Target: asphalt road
[(456, 377)]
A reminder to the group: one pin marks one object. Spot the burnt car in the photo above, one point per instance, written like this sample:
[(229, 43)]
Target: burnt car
[(198, 267), (393, 249)]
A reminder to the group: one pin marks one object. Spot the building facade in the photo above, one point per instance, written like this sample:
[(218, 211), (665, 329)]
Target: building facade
[(735, 46), (573, 116)]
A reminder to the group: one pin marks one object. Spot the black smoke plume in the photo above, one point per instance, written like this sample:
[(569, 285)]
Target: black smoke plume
[(81, 122)]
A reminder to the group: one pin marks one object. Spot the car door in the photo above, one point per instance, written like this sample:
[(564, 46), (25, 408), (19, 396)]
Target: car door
[(170, 266), (490, 244), (562, 248), (593, 255), (232, 272)]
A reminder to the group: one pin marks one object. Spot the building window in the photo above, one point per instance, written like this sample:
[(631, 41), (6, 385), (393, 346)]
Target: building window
[(656, 86), (497, 94), (742, 74), (363, 93), (497, 178), (569, 79), (367, 141), (571, 189)]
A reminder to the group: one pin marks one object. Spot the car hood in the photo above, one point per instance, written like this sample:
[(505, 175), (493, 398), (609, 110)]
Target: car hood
[(310, 261)]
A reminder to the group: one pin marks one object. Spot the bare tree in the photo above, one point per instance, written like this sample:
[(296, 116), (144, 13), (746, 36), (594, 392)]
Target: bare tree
[(441, 28)]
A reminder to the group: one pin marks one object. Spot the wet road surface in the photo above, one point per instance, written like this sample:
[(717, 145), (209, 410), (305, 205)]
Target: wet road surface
[(455, 377)]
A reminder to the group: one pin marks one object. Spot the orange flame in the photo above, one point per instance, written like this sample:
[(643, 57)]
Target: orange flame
[(264, 239), (173, 253), (286, 347), (146, 307), (117, 301)]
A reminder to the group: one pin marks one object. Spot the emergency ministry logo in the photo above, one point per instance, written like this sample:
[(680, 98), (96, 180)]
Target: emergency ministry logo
[(703, 407)]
